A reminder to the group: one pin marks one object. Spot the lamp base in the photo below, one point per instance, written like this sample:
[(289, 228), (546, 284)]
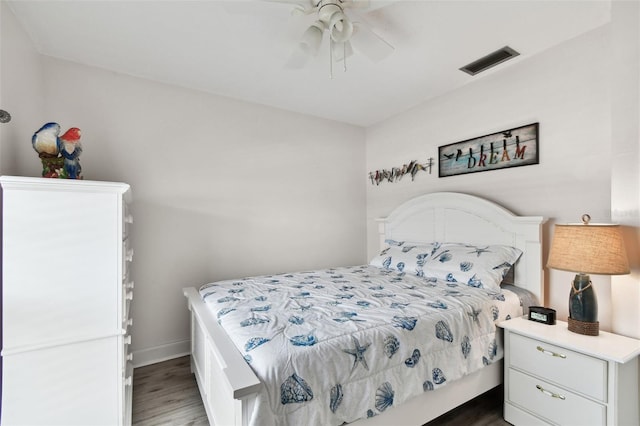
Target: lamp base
[(584, 327)]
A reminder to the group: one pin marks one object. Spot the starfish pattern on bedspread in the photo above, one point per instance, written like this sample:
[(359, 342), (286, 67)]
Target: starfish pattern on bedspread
[(358, 354)]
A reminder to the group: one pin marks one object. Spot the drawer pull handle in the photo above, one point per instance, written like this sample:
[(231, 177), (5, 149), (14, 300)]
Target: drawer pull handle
[(550, 353), (127, 323), (551, 394)]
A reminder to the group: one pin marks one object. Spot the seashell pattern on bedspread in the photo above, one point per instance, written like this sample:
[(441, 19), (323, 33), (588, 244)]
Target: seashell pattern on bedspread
[(336, 345)]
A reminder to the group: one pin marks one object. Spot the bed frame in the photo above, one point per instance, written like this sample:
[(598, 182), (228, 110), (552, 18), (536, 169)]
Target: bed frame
[(228, 385)]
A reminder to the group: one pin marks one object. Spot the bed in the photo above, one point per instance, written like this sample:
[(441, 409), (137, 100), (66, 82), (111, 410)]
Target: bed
[(232, 322)]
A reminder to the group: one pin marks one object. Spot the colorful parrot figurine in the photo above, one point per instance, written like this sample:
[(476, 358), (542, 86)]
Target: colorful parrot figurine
[(45, 141), (71, 150)]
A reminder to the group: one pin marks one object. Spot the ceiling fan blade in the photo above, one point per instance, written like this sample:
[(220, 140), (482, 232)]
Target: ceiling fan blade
[(241, 8), (357, 4), (259, 7), (304, 6), (369, 43), (298, 59), (369, 5)]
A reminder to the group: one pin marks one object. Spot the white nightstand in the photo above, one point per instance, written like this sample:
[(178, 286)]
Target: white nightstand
[(554, 376)]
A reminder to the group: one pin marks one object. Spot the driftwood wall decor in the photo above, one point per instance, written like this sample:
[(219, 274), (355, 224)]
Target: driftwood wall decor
[(397, 173)]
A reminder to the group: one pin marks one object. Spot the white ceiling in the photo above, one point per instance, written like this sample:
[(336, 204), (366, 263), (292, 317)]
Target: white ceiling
[(239, 48)]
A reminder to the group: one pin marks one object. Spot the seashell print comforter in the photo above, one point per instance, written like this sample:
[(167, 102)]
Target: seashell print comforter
[(336, 345)]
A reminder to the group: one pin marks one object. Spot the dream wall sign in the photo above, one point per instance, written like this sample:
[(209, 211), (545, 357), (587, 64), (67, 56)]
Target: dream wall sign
[(509, 148)]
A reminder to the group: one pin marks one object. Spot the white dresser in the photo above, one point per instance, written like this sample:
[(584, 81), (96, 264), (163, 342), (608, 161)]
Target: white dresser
[(65, 302), (554, 376)]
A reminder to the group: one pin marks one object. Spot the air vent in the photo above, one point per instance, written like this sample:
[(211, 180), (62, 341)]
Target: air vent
[(491, 60)]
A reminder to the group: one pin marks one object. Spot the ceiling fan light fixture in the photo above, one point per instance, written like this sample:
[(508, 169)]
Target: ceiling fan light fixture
[(340, 27), (342, 32), (312, 38)]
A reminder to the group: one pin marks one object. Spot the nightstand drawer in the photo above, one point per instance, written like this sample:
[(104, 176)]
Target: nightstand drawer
[(553, 403), (576, 371)]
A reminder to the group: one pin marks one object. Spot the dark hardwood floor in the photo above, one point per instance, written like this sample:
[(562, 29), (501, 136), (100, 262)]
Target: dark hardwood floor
[(166, 394), (485, 410)]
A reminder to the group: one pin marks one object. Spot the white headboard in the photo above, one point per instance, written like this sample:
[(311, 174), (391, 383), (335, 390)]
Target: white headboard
[(462, 218)]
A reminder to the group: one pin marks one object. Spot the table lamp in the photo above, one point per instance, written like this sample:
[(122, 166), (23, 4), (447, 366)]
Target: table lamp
[(587, 249)]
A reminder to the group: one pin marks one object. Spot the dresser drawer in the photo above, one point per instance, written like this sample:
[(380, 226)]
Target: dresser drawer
[(553, 403), (575, 371), (64, 343)]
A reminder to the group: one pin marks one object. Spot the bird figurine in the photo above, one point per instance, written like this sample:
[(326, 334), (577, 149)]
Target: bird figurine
[(46, 142), (71, 148)]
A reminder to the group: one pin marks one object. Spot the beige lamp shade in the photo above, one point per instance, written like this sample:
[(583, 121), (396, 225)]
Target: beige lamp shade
[(588, 249)]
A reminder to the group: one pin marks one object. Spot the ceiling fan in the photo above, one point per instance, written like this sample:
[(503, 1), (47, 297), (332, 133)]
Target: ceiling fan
[(344, 33)]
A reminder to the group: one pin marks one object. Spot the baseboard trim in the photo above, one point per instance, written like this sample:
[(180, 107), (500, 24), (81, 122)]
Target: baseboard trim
[(161, 353)]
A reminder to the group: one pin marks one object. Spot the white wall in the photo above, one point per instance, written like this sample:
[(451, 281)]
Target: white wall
[(566, 90), (625, 179), (221, 188), (21, 92)]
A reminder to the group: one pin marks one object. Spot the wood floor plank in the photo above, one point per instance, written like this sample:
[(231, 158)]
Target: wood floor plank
[(166, 394)]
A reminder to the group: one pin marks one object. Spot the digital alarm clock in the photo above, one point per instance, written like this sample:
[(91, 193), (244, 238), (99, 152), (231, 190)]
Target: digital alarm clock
[(542, 314)]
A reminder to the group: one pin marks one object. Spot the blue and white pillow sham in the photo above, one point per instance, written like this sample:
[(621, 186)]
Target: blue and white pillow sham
[(476, 266)]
